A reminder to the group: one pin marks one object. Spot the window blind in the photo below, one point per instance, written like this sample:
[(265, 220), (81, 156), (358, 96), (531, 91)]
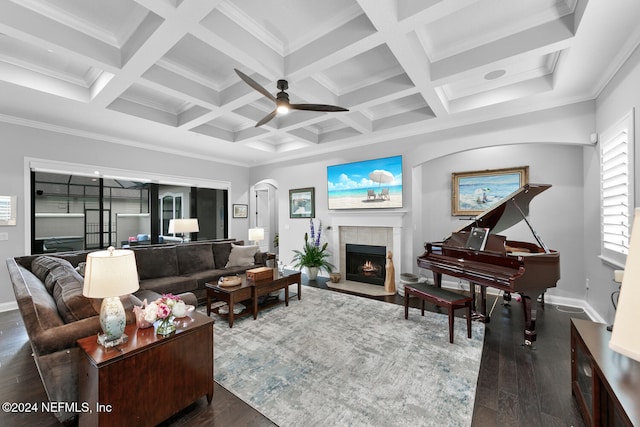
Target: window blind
[(617, 189)]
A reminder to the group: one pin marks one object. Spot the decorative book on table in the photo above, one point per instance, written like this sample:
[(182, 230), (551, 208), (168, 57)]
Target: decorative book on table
[(477, 238)]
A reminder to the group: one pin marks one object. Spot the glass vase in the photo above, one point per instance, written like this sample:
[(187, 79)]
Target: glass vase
[(166, 326)]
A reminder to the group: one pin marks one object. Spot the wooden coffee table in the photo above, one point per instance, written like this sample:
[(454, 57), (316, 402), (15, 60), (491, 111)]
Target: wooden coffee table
[(251, 290), (281, 280), (230, 295)]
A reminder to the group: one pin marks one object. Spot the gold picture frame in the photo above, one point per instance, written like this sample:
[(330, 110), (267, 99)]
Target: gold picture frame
[(477, 191)]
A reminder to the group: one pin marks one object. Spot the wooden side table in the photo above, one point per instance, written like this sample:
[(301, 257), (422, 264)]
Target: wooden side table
[(606, 384), (148, 379)]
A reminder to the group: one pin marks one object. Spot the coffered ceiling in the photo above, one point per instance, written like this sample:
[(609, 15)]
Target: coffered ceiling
[(160, 74)]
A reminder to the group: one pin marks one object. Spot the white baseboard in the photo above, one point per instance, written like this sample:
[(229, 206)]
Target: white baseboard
[(551, 299)]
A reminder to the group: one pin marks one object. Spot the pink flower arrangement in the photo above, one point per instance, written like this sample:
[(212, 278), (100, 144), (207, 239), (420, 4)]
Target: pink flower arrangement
[(164, 308)]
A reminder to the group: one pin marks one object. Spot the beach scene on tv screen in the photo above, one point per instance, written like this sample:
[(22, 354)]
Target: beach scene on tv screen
[(375, 183)]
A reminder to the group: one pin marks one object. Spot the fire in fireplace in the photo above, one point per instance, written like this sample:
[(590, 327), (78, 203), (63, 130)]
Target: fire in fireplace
[(366, 263)]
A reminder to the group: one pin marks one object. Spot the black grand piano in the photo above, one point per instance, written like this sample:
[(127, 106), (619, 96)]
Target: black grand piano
[(526, 268)]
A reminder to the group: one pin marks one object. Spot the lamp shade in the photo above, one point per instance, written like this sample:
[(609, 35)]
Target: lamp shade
[(110, 273), (625, 338), (184, 225), (256, 234)]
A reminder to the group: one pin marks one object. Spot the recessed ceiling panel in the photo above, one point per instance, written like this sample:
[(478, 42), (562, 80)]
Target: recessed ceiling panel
[(526, 68), (286, 26), (200, 62), (397, 106), (486, 21), (111, 22), (155, 99), (47, 62), (362, 70)]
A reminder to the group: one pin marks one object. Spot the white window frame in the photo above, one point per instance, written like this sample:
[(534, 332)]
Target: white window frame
[(617, 189)]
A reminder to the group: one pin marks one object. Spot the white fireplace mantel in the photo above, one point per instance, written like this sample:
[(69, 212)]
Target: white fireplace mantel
[(391, 219)]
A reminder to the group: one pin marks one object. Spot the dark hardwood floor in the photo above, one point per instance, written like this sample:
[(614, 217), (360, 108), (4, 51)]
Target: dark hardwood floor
[(517, 386)]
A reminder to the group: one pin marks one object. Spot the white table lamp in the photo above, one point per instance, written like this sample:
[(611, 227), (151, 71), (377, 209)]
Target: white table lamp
[(183, 225), (108, 275), (625, 338), (257, 235)]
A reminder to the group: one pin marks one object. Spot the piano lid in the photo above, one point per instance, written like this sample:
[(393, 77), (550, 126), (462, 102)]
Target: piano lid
[(505, 213)]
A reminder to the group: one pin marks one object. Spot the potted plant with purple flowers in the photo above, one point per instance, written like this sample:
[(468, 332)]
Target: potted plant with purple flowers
[(313, 256)]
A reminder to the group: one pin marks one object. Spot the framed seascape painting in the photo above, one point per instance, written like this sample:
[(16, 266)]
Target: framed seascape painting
[(302, 203), (367, 184), (240, 211), (475, 192)]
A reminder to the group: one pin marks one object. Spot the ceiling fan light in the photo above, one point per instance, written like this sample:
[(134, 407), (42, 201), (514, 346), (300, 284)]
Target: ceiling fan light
[(282, 109)]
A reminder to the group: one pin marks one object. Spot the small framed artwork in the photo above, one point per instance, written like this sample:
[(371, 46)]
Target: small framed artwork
[(475, 192), (302, 203), (240, 211)]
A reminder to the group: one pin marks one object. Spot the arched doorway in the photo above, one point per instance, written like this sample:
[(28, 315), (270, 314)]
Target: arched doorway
[(265, 210)]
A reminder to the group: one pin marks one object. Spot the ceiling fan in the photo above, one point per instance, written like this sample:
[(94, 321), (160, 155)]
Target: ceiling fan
[(282, 99)]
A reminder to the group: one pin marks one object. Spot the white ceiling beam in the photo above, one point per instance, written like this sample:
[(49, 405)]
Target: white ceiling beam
[(407, 50), (167, 34)]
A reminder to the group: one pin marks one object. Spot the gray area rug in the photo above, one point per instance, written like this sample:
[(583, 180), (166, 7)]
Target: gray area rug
[(333, 359)]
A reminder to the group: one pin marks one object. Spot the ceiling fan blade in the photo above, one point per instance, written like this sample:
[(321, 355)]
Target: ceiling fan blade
[(316, 107), (267, 118), (248, 80)]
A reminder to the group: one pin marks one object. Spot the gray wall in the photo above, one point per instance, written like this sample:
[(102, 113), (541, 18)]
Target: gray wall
[(550, 142), (555, 214), (619, 97), (20, 142)]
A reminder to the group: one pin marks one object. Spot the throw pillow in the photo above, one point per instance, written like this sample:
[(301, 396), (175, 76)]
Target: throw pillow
[(241, 256), (67, 292), (44, 265)]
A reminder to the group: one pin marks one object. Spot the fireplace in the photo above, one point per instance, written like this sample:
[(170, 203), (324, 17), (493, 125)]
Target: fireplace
[(366, 263)]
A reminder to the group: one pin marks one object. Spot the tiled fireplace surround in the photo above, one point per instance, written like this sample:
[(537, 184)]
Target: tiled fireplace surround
[(381, 229)]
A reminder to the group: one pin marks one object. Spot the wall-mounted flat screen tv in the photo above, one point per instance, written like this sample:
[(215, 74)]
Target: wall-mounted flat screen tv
[(369, 184)]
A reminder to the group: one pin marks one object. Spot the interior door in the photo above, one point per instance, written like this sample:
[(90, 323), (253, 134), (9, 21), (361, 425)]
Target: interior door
[(92, 228)]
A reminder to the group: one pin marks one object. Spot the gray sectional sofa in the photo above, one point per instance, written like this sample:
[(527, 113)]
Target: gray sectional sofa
[(48, 290)]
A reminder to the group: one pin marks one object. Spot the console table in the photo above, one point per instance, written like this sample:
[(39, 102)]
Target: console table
[(149, 378), (606, 384)]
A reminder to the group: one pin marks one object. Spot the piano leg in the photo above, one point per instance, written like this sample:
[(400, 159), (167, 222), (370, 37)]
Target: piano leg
[(482, 316), (437, 279), (529, 320), (506, 298)]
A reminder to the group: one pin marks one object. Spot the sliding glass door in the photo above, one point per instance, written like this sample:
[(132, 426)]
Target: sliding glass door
[(75, 212)]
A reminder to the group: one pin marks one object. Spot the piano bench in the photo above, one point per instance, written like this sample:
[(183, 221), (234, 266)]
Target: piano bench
[(440, 297)]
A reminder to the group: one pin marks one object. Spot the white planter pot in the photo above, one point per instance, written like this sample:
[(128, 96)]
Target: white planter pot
[(311, 272)]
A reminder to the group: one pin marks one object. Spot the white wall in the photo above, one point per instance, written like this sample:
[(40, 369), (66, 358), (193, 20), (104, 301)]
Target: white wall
[(619, 97), (20, 142)]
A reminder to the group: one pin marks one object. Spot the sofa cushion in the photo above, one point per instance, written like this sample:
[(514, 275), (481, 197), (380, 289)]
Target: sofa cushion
[(221, 251), (241, 256), (172, 284), (67, 292), (194, 257), (156, 262), (43, 264)]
